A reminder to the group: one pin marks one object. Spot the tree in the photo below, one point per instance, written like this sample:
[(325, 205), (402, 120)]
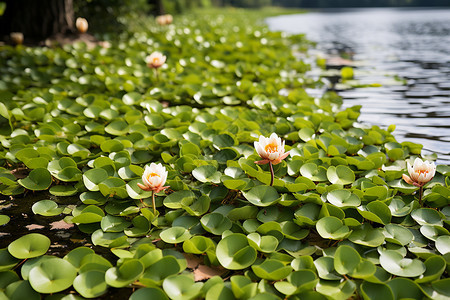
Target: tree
[(37, 20)]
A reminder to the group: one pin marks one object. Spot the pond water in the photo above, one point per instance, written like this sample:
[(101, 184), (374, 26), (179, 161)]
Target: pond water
[(411, 43)]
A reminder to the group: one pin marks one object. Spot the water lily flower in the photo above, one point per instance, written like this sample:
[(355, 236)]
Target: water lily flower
[(82, 25), (154, 178), (420, 172), (270, 149), (164, 19), (16, 37), (155, 60)]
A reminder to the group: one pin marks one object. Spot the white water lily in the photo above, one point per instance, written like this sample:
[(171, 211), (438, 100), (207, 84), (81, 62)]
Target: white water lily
[(270, 149), (155, 60), (154, 178), (420, 172), (82, 25)]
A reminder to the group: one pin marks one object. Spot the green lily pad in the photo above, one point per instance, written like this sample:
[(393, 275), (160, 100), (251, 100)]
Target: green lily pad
[(7, 261), (174, 200), (181, 287), (404, 288), (215, 223), (149, 293), (91, 284), (125, 273), (427, 216), (397, 234), (4, 219), (198, 245), (367, 236), (376, 211), (52, 276), (207, 173), (30, 245), (271, 269), (175, 235), (396, 264), (262, 195), (314, 172), (39, 179), (234, 252), (266, 243), (332, 228), (376, 291), (93, 177), (325, 268), (46, 208), (343, 198), (298, 282), (435, 266), (340, 175), (443, 244), (20, 289), (156, 272)]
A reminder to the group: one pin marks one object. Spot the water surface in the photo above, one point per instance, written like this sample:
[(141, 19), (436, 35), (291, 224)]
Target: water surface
[(411, 43)]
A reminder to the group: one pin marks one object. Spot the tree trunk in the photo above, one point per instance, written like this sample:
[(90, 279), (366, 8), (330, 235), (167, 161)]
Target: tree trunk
[(37, 19), (157, 7)]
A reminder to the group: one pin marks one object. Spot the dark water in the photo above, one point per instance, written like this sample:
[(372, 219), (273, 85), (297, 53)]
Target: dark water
[(411, 43)]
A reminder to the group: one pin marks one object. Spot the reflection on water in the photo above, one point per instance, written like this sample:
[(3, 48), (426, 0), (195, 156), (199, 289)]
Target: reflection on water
[(412, 43)]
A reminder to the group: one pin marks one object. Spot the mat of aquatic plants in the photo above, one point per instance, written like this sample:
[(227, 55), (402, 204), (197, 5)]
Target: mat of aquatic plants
[(79, 125)]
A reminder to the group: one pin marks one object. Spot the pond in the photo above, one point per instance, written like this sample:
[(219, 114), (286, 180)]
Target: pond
[(413, 44)]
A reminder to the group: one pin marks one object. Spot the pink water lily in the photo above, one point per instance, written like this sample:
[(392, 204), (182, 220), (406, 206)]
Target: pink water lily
[(420, 172), (270, 149), (164, 19), (82, 25), (155, 60), (154, 178)]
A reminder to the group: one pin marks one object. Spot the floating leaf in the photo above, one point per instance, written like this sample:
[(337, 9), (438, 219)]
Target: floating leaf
[(39, 179), (394, 263), (234, 252), (52, 276), (46, 208), (262, 195), (332, 228), (30, 245)]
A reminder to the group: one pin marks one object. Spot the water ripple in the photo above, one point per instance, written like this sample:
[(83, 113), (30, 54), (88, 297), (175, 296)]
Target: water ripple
[(411, 43)]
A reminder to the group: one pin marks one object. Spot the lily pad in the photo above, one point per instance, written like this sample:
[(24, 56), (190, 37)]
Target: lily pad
[(52, 276), (46, 208), (39, 179), (332, 228), (234, 252), (262, 195), (396, 264), (30, 245)]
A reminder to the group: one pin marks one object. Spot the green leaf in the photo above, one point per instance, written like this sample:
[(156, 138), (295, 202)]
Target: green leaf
[(394, 263), (52, 276), (30, 245), (39, 179), (234, 252), (262, 195)]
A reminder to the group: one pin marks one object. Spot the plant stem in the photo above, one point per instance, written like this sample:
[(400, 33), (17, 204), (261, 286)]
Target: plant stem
[(153, 202), (156, 74), (420, 195), (271, 173)]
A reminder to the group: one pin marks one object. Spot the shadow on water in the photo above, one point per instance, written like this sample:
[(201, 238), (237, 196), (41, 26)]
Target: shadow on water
[(413, 44)]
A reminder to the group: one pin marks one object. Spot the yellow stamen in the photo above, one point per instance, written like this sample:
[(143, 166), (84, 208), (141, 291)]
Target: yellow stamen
[(271, 148), (422, 172), (153, 174)]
